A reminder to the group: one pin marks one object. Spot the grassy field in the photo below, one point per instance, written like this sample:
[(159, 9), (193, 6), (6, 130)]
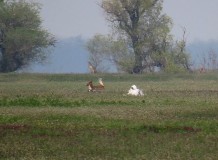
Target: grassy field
[(52, 116)]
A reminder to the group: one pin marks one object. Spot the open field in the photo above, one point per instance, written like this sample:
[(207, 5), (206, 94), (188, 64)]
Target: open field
[(52, 116)]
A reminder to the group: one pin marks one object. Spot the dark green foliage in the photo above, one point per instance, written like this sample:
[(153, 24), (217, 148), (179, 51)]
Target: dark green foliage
[(22, 38)]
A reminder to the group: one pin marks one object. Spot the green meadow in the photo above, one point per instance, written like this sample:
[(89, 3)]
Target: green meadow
[(52, 116)]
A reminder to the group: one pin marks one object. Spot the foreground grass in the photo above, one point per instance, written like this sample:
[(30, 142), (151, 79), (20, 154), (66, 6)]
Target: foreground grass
[(54, 117)]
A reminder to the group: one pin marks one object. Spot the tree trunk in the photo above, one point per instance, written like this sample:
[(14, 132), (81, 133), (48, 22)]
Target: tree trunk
[(7, 63), (2, 60), (138, 57), (138, 63)]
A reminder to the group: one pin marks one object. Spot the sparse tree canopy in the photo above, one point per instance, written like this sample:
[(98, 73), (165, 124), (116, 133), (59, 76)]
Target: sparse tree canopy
[(141, 32), (98, 48), (22, 38), (106, 50), (140, 21)]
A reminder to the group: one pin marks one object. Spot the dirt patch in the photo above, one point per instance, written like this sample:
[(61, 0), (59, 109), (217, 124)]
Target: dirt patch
[(183, 129), (16, 127)]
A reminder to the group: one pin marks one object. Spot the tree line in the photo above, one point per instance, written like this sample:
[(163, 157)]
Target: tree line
[(140, 39)]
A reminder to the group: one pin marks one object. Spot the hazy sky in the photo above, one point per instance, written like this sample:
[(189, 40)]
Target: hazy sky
[(67, 18)]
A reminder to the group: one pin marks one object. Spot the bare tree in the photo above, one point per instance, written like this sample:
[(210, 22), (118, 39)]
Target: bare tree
[(182, 53), (98, 49)]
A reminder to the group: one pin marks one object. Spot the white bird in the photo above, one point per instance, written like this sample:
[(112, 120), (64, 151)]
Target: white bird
[(135, 91)]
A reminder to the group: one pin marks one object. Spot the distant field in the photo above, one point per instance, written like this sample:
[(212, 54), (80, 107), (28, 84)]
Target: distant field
[(52, 116)]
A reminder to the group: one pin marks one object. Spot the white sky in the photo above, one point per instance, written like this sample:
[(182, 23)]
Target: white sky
[(70, 18)]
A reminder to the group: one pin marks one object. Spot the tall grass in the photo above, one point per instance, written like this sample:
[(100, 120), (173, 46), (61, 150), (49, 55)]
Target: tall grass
[(52, 116)]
